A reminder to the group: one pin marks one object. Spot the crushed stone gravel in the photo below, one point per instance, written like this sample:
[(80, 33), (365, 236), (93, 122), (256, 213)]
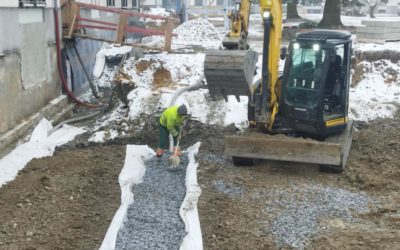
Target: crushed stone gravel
[(299, 209), (153, 220)]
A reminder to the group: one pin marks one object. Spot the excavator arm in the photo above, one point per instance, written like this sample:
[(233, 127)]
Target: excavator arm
[(231, 72), (239, 25), (271, 11)]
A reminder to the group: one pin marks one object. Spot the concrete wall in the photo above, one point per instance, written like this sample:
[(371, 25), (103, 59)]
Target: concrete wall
[(28, 63)]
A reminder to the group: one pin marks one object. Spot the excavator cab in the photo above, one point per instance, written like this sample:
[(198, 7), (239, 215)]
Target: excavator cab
[(315, 84)]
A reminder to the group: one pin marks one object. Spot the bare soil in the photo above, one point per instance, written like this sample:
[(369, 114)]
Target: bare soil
[(66, 201), (232, 218)]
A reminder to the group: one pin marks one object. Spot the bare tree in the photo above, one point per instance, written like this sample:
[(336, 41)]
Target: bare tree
[(331, 16), (292, 9)]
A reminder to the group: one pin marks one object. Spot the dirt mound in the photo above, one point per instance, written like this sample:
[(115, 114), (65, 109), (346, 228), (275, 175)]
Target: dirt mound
[(374, 161), (62, 202), (375, 55)]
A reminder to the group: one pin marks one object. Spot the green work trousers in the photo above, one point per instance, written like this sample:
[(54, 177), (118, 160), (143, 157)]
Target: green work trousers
[(164, 137)]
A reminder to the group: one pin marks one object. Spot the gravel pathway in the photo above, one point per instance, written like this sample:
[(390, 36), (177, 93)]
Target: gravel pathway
[(153, 220)]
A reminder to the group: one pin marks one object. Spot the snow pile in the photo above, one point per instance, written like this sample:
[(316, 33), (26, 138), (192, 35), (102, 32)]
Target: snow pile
[(108, 50), (196, 32), (158, 12), (139, 97), (184, 70), (378, 94), (40, 145)]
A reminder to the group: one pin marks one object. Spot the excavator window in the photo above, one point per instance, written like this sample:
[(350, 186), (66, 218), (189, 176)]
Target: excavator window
[(334, 93), (303, 84)]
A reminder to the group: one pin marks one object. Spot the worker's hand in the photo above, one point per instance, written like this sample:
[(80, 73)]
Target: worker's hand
[(177, 151)]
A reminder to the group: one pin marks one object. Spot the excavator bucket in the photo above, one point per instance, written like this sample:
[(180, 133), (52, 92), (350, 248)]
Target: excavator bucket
[(230, 72), (334, 151)]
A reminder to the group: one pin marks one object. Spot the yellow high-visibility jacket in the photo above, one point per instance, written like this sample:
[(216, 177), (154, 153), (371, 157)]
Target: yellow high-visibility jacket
[(171, 120)]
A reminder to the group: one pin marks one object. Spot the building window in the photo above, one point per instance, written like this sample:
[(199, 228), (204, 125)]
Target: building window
[(124, 3), (32, 3), (220, 2), (135, 4), (110, 2), (198, 2)]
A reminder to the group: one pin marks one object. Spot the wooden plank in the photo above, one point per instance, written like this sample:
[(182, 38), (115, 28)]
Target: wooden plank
[(71, 27), (283, 148), (123, 19), (168, 35)]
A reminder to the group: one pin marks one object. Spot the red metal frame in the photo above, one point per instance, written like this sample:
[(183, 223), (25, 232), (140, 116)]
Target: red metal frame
[(75, 21), (128, 13)]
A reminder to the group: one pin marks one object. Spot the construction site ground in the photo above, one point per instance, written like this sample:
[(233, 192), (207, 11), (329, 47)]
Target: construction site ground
[(67, 201)]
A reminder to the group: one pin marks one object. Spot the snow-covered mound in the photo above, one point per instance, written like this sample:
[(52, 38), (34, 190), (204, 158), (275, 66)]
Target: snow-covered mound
[(197, 32), (158, 12), (377, 95), (375, 87), (107, 50)]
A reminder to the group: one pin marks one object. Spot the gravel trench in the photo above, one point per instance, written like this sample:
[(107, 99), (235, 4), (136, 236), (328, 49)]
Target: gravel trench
[(152, 220)]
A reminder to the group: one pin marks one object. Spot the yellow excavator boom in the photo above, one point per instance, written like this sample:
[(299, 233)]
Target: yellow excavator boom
[(271, 12)]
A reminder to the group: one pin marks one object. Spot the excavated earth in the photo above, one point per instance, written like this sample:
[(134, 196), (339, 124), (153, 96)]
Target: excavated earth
[(67, 201)]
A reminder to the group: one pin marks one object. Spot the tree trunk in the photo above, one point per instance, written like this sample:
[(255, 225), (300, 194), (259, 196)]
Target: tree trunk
[(371, 11), (331, 16), (292, 11)]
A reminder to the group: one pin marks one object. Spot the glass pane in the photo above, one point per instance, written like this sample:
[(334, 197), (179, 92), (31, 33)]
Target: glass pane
[(303, 83)]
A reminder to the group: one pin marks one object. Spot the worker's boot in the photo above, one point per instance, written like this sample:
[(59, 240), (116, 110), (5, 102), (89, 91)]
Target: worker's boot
[(177, 151), (159, 152)]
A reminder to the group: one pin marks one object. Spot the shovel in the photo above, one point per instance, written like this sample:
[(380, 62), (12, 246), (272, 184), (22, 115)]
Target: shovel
[(175, 160)]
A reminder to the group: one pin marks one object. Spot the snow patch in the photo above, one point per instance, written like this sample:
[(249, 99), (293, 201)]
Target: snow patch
[(40, 145), (132, 173), (107, 50), (373, 98), (196, 32), (377, 47), (158, 12), (102, 136)]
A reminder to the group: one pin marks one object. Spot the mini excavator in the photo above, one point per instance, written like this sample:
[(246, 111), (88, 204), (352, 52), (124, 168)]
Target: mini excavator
[(299, 116)]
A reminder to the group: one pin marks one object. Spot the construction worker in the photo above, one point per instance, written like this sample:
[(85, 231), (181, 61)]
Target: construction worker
[(171, 121)]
